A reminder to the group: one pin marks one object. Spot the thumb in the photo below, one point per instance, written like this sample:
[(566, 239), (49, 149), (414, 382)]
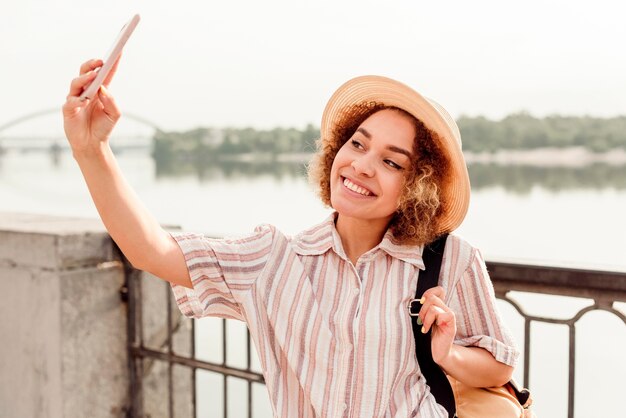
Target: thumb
[(109, 107)]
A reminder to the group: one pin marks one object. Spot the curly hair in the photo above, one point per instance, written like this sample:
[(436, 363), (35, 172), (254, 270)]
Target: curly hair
[(421, 204)]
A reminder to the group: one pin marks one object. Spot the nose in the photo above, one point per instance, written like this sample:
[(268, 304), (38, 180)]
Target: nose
[(363, 166)]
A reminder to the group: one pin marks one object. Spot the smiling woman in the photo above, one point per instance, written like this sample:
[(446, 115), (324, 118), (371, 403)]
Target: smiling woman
[(327, 309)]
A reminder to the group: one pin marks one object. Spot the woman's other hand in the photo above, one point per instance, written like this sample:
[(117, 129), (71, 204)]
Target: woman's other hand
[(436, 315), (88, 123)]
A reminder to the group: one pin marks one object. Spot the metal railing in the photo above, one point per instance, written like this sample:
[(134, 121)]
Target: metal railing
[(603, 288)]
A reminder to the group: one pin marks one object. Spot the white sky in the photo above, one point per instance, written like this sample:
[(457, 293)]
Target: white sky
[(276, 62)]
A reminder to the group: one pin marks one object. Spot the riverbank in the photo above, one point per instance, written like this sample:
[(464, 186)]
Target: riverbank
[(548, 157), (540, 157)]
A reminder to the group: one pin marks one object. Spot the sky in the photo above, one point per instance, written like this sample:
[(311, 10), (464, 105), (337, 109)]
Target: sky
[(274, 63)]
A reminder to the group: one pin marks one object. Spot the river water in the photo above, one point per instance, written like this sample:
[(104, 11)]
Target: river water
[(550, 215)]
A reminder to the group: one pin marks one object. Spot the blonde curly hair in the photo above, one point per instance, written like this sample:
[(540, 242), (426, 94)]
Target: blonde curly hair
[(421, 204)]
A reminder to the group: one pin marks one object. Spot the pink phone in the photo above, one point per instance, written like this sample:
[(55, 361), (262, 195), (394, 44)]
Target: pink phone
[(112, 56)]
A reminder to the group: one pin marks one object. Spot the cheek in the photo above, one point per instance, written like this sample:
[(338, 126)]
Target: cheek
[(334, 173), (339, 161), (396, 187)]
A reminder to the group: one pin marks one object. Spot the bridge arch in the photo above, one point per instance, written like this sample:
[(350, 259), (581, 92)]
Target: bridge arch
[(46, 112)]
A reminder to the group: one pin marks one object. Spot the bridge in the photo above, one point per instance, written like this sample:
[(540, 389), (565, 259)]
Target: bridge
[(55, 143)]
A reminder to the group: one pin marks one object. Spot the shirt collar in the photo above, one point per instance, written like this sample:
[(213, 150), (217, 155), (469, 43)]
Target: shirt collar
[(411, 254), (318, 239), (324, 236)]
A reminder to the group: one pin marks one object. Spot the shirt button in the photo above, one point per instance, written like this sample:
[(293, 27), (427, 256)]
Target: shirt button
[(356, 291), (344, 406)]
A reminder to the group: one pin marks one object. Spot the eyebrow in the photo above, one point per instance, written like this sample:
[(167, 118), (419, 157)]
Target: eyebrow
[(389, 147), (400, 151)]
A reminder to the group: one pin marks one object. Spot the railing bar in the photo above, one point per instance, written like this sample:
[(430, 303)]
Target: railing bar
[(616, 312), (133, 304), (225, 400), (190, 362), (557, 321), (550, 320), (249, 399), (248, 368), (170, 377), (224, 360), (135, 321), (527, 337), (572, 371), (224, 354), (248, 352), (512, 275), (139, 279), (193, 369)]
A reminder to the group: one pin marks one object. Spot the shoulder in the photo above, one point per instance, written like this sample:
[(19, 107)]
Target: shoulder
[(459, 251), (315, 240), (459, 257)]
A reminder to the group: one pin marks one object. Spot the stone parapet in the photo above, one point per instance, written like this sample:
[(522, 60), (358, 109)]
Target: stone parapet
[(64, 350)]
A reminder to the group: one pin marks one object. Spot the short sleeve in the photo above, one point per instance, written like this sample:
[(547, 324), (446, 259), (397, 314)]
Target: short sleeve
[(478, 321), (222, 271)]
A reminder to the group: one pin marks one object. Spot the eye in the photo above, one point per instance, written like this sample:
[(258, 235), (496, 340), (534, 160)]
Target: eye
[(356, 144), (393, 165)]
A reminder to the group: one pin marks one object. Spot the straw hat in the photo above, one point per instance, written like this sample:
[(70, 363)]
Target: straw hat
[(389, 92)]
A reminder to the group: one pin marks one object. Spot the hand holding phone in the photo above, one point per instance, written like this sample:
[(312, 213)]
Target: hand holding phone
[(114, 53)]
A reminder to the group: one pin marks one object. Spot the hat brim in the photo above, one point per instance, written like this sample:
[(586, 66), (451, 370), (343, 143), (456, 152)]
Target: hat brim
[(392, 93)]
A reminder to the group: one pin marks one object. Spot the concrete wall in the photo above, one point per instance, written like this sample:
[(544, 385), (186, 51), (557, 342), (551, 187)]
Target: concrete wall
[(64, 325)]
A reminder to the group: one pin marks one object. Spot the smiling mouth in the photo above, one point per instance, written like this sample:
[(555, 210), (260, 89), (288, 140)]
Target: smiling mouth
[(357, 189)]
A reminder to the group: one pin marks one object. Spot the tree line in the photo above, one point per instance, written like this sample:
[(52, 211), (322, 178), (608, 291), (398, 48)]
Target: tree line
[(523, 131), (518, 131)]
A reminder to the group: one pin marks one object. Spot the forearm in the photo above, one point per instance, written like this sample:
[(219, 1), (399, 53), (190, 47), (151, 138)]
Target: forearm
[(88, 125), (476, 367), (128, 222)]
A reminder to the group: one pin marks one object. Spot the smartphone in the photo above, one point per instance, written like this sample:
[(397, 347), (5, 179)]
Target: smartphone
[(111, 57)]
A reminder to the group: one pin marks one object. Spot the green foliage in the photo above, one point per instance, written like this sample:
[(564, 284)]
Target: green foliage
[(523, 131), (516, 131), (206, 143)]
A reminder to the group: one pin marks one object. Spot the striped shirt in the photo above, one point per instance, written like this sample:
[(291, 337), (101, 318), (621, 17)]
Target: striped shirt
[(335, 339)]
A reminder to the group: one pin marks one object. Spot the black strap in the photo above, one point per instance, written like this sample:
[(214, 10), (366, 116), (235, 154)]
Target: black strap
[(435, 377)]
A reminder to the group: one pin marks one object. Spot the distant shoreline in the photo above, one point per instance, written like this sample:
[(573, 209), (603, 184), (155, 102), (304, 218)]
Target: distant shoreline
[(548, 157), (540, 157)]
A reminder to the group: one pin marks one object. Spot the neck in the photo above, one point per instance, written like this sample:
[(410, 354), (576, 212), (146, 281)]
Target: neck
[(358, 236)]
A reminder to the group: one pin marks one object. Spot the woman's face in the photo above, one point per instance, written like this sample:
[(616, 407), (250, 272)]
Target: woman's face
[(368, 172)]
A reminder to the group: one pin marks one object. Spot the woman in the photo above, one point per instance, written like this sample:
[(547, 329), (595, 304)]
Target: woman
[(327, 308)]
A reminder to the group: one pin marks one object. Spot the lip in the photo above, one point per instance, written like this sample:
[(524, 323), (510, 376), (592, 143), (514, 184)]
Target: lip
[(343, 178)]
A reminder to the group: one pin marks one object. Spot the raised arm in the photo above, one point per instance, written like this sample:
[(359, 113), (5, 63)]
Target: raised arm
[(88, 125)]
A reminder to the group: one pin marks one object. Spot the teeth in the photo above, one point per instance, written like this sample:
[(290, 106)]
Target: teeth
[(355, 188)]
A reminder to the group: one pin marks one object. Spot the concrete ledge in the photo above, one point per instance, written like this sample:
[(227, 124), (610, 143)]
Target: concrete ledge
[(64, 323), (53, 242)]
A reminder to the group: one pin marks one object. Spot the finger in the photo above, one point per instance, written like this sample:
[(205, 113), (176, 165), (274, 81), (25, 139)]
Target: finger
[(90, 65), (111, 74), (79, 83), (72, 106), (430, 317), (442, 318), (429, 301), (445, 319), (435, 291), (109, 107)]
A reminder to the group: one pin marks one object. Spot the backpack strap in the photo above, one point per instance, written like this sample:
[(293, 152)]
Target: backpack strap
[(435, 377)]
